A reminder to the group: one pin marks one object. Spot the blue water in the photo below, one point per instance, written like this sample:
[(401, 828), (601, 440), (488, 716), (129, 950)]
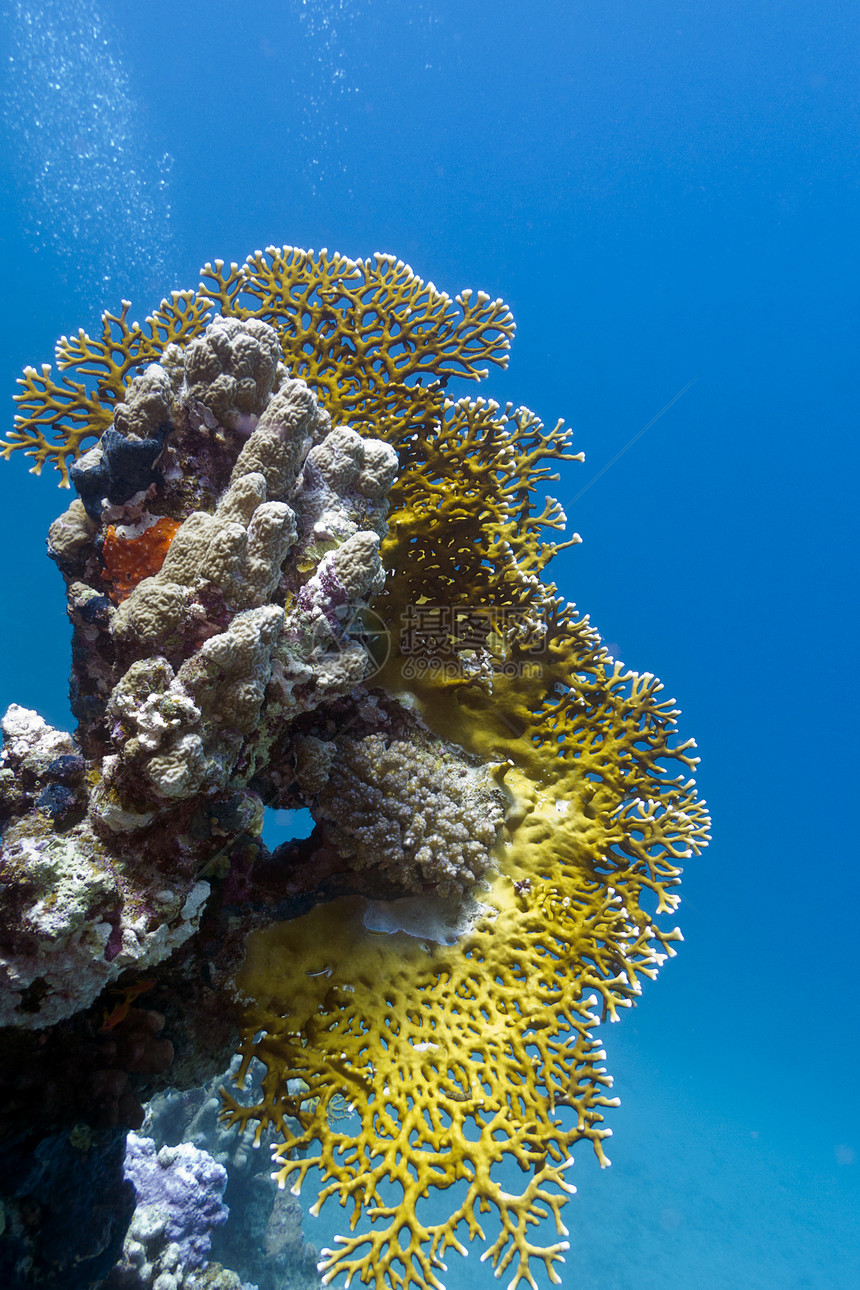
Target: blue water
[(665, 193)]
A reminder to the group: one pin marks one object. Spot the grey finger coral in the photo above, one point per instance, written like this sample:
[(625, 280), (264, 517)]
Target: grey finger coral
[(232, 369), (210, 608)]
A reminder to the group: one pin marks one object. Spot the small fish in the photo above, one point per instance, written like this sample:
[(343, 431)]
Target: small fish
[(120, 1010)]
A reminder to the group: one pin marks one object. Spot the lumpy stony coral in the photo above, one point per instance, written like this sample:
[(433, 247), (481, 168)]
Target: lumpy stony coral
[(418, 809), (299, 574), (182, 1188), (220, 638)]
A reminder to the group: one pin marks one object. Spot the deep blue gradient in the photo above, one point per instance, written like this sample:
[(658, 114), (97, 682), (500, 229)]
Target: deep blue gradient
[(664, 193)]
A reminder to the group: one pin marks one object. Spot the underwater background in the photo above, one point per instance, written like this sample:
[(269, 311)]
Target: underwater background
[(667, 197)]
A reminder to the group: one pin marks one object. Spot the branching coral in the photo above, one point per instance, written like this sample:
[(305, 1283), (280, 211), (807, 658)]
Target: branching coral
[(359, 332), (487, 755), (467, 1055)]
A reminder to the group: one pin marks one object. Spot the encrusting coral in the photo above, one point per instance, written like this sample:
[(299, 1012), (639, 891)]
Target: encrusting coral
[(179, 1194), (300, 574), (263, 1232)]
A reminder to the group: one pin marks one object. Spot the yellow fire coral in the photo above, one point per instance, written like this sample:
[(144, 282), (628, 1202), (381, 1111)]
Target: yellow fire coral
[(361, 333), (464, 1036)]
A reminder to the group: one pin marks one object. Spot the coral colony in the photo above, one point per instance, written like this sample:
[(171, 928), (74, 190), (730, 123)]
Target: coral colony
[(301, 575)]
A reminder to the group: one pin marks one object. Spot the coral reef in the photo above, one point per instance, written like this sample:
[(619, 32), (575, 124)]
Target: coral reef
[(179, 1192), (65, 1208), (73, 917), (219, 640), (263, 1231), (300, 575)]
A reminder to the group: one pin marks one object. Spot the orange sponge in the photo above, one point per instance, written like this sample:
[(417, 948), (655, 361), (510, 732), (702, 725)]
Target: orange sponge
[(127, 561)]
